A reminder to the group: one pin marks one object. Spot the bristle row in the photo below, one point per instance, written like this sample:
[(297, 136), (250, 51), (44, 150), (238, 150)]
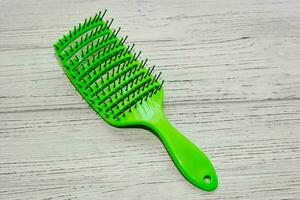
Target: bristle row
[(108, 74), (115, 79), (138, 98), (77, 31), (130, 88), (111, 90)]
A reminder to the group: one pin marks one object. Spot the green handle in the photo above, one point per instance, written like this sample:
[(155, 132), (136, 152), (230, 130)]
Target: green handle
[(189, 159)]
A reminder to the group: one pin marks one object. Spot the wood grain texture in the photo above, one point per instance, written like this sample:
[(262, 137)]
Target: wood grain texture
[(232, 76)]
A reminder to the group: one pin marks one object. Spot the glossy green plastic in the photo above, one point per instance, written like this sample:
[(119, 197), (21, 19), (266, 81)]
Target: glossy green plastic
[(124, 92)]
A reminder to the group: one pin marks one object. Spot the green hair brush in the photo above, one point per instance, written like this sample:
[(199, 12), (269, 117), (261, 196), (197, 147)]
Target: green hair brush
[(113, 80)]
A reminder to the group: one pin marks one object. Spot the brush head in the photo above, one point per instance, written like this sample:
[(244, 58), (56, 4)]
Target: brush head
[(109, 74)]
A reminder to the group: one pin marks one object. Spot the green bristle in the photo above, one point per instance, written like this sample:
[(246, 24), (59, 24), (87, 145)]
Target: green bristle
[(106, 72)]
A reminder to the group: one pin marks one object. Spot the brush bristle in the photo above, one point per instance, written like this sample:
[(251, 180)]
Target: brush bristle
[(106, 72)]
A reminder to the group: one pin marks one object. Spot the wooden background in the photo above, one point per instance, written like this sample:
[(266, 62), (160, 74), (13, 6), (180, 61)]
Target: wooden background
[(232, 86)]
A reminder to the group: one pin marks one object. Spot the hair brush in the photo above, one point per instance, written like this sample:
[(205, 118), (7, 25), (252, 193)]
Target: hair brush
[(125, 92)]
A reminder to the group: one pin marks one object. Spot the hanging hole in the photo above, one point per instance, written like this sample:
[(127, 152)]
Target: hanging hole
[(207, 179)]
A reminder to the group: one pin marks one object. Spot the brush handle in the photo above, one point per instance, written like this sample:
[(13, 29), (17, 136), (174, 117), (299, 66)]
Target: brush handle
[(189, 159)]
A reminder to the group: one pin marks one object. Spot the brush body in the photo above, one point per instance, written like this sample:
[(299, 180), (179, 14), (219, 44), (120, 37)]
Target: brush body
[(124, 92)]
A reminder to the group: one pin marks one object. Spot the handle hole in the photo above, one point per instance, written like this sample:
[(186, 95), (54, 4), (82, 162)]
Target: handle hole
[(207, 179)]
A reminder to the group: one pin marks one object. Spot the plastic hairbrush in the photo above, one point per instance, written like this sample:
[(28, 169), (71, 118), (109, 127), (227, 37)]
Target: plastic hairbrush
[(113, 80)]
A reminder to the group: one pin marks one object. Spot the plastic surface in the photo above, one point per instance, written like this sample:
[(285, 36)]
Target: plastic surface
[(190, 160), (124, 92)]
